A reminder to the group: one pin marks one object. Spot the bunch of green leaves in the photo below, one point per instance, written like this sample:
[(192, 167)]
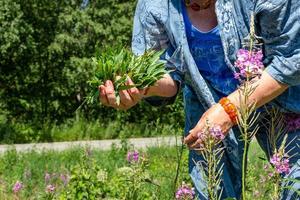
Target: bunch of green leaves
[(118, 65)]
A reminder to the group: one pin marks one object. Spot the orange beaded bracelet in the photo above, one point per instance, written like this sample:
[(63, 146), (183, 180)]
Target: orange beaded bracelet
[(229, 108)]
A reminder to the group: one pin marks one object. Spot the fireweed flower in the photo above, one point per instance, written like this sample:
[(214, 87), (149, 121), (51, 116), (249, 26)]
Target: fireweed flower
[(216, 133), (64, 178), (280, 163), (202, 136), (185, 192), (47, 177), (50, 188), (249, 63), (208, 139), (133, 157), (17, 187)]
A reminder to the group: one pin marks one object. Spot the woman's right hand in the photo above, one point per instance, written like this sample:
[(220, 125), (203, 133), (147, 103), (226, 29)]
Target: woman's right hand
[(128, 98)]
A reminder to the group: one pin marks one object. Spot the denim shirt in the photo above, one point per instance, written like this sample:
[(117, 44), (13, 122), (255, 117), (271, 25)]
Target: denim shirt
[(158, 24)]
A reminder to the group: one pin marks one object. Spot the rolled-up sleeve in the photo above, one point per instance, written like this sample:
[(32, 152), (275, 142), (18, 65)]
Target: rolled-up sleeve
[(149, 33), (279, 26)]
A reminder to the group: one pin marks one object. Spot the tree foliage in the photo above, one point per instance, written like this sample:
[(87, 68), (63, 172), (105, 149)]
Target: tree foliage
[(45, 56)]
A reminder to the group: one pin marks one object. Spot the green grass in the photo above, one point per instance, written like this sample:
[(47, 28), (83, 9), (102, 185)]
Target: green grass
[(258, 186), (82, 129), (30, 168), (95, 130)]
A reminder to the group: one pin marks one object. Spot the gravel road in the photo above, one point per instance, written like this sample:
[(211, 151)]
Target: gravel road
[(139, 143)]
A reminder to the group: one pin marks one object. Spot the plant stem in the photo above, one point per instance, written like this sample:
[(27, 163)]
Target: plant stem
[(244, 168), (210, 185), (245, 111), (276, 191), (179, 158)]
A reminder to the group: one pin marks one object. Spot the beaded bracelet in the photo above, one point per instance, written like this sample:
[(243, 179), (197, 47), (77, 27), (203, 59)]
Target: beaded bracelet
[(229, 108)]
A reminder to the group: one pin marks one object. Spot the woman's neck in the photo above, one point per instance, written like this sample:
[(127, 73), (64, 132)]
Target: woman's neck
[(205, 19)]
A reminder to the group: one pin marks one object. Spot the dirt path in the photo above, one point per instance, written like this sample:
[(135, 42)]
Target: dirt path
[(140, 143)]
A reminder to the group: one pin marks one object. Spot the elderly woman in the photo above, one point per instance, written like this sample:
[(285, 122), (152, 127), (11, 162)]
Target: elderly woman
[(201, 39)]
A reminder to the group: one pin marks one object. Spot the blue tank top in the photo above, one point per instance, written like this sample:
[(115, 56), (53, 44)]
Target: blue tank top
[(207, 51)]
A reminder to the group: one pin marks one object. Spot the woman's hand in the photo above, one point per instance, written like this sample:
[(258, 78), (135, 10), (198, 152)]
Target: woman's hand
[(128, 98), (216, 115), (266, 89), (164, 87)]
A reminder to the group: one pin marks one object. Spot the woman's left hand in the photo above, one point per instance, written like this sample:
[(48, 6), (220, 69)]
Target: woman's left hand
[(216, 115)]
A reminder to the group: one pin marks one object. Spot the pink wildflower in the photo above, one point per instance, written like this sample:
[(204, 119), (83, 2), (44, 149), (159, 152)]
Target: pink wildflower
[(47, 177), (50, 188), (275, 160), (133, 157), (185, 192), (214, 134), (17, 187), (256, 193), (202, 137), (266, 167), (281, 164), (64, 178), (217, 133), (249, 63)]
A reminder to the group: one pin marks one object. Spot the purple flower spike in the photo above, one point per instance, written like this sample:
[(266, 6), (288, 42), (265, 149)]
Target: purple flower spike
[(249, 63), (281, 164), (17, 187), (185, 193), (129, 156), (133, 157), (217, 133)]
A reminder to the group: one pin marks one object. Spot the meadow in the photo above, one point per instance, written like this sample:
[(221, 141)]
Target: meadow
[(47, 175)]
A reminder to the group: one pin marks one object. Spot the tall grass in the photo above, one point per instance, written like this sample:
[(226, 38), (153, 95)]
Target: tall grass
[(82, 129)]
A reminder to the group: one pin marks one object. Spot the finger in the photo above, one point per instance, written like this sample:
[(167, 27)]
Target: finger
[(191, 138), (193, 134), (103, 98), (125, 98), (133, 92), (196, 145), (110, 93)]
